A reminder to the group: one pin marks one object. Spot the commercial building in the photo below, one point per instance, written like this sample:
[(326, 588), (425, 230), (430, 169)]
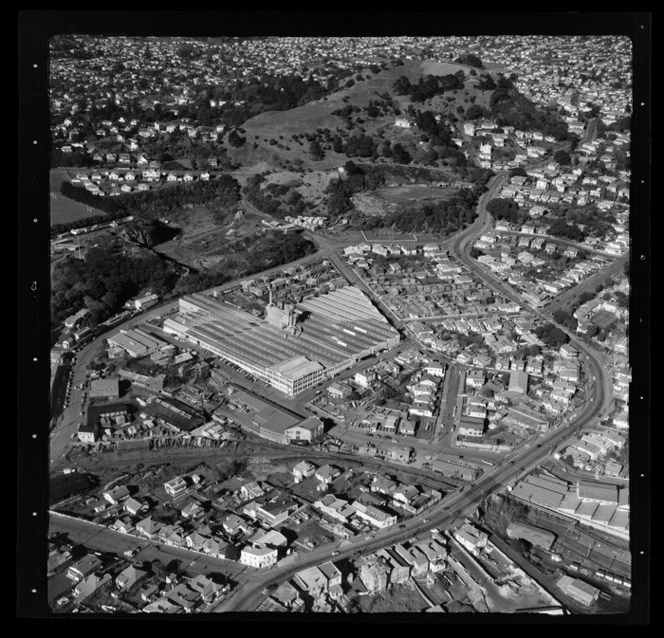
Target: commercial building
[(518, 381), (135, 342), (292, 350), (259, 557), (306, 431), (105, 388)]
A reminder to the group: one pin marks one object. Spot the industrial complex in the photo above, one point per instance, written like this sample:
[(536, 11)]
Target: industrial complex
[(293, 348)]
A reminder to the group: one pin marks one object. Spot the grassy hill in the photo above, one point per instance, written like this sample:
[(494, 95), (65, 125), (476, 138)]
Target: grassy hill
[(273, 132)]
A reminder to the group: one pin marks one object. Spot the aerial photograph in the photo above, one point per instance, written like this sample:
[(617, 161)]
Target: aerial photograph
[(339, 325)]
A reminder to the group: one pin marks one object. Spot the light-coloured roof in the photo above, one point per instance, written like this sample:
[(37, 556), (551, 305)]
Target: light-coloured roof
[(296, 367)]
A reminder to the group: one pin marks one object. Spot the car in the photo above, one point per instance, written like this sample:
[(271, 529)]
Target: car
[(335, 552), (63, 601), (402, 526)]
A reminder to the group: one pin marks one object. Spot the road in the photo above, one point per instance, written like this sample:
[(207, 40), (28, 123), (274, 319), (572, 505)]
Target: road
[(99, 538), (568, 299)]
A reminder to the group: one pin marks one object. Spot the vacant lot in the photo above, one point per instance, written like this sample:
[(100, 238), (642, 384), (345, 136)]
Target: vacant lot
[(203, 240)]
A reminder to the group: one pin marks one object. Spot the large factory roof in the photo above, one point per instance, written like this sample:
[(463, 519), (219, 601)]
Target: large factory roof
[(296, 367), (337, 326)]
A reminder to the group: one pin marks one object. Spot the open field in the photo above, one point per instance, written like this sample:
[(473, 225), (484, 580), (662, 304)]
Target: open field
[(410, 193), (62, 209)]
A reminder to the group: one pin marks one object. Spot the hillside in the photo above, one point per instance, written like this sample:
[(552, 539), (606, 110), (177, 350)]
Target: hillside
[(283, 138)]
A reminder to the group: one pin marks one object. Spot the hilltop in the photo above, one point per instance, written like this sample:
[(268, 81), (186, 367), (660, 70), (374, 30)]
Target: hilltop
[(281, 136)]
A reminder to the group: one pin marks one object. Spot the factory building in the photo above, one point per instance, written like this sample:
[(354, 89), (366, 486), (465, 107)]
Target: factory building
[(294, 348)]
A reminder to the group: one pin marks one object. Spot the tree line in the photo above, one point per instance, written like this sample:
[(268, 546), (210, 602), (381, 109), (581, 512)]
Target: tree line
[(442, 217), (223, 190), (511, 108), (429, 86)]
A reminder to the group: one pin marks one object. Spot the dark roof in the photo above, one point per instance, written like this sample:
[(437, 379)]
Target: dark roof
[(175, 412), (96, 411)]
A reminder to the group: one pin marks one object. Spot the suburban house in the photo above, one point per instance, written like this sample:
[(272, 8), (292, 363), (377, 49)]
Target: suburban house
[(471, 538), (303, 470), (83, 567), (175, 487), (128, 577), (374, 574), (327, 473), (116, 495)]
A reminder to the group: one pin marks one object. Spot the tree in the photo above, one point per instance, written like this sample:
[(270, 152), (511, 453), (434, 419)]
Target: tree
[(400, 154), (562, 157), (551, 335), (565, 319), (470, 59), (235, 140), (518, 171), (474, 112), (316, 151), (502, 208)]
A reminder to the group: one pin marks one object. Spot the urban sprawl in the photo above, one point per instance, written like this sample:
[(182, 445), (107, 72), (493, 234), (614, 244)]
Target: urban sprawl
[(340, 325)]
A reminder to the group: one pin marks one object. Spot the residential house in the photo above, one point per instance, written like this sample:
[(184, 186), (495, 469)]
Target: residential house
[(133, 506), (148, 528), (419, 564), (471, 426), (327, 473), (251, 490), (311, 581), (83, 567), (475, 379), (471, 538), (93, 583), (184, 597), (128, 577), (116, 495), (374, 574), (335, 508), (207, 589), (303, 469), (175, 487)]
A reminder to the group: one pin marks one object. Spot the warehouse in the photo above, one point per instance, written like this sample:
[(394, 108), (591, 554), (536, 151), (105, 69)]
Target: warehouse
[(135, 342), (291, 349), (175, 413), (578, 590), (534, 535)]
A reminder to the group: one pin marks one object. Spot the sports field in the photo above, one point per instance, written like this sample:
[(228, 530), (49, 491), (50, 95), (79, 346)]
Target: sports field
[(409, 193)]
